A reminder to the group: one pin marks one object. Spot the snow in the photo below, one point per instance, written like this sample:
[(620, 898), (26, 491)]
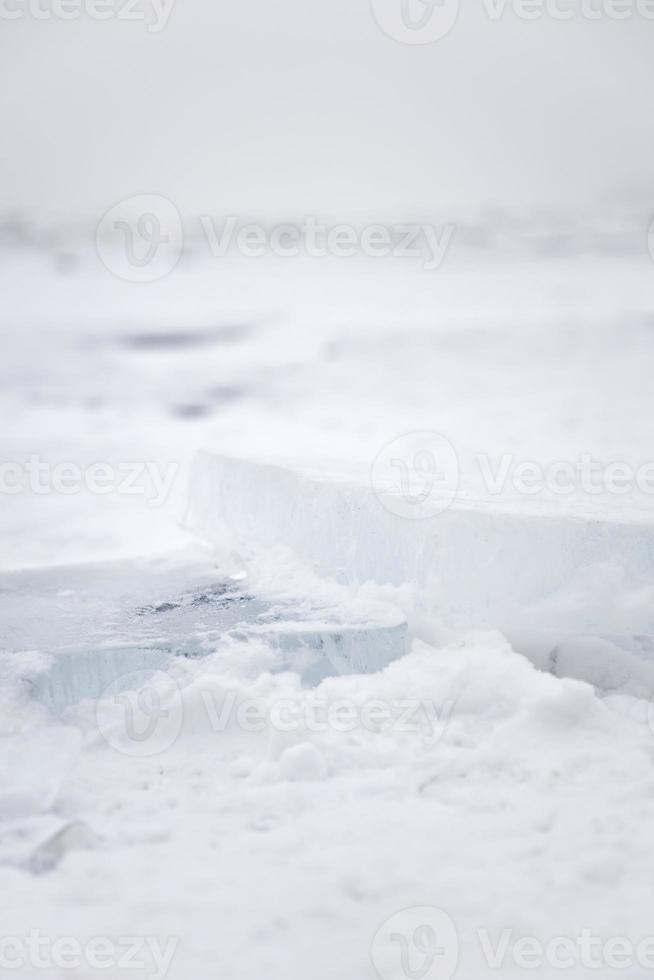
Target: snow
[(260, 847), (484, 745)]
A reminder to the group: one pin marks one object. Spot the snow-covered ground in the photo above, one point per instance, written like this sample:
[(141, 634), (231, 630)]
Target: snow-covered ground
[(240, 809)]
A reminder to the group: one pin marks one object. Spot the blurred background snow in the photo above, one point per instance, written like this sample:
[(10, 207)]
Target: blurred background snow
[(531, 138)]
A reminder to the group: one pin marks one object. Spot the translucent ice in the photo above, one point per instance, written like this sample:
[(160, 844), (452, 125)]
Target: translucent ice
[(103, 624), (475, 565), (539, 577)]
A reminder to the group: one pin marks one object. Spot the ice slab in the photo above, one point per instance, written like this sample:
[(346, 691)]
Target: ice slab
[(76, 675), (314, 652), (349, 649), (108, 604), (105, 622), (540, 577)]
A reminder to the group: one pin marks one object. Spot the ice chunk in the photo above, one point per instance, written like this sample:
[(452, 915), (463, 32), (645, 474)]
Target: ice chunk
[(474, 565), (103, 623), (356, 649), (151, 603), (74, 676), (541, 578), (314, 652)]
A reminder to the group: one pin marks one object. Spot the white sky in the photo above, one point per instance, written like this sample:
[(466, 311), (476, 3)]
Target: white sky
[(266, 106)]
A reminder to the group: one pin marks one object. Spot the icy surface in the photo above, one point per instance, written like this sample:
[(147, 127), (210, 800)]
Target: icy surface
[(522, 799), (474, 565), (102, 623)]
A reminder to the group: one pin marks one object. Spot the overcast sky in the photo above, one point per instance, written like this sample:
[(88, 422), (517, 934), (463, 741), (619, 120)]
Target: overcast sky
[(266, 106)]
